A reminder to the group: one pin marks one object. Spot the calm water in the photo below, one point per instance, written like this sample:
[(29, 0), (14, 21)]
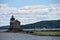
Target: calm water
[(21, 36)]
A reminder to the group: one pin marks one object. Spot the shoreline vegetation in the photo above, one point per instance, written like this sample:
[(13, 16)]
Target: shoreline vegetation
[(38, 33)]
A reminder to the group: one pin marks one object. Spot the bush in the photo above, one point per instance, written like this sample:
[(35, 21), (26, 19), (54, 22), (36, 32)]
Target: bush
[(31, 31)]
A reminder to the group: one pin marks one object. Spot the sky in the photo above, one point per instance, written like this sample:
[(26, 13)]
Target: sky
[(29, 11)]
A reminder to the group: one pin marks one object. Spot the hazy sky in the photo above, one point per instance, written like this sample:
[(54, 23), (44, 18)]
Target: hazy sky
[(29, 11)]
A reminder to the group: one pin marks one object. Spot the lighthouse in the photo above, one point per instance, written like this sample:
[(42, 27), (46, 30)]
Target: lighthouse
[(14, 24)]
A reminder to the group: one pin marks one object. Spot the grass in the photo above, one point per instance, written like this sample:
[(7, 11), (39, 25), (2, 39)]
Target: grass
[(41, 32), (47, 33)]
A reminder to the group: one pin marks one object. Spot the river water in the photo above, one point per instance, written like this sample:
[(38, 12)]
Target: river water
[(22, 36)]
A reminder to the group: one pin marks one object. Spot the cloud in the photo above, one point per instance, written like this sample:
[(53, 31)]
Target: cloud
[(26, 9), (54, 12), (29, 14)]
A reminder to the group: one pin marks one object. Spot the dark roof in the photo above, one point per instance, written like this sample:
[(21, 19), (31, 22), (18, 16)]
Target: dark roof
[(12, 18), (17, 21)]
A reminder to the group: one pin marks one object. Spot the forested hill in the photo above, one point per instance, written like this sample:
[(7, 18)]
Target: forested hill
[(41, 24), (44, 24)]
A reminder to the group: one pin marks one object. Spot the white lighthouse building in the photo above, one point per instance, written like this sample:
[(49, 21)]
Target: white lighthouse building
[(14, 24)]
